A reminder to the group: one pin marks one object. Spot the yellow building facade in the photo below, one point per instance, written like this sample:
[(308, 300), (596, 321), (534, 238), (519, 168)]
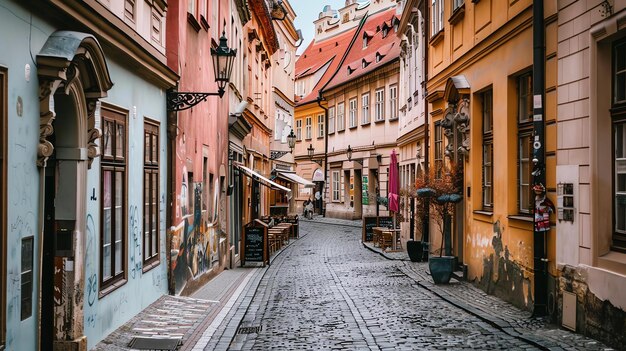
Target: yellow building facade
[(480, 61)]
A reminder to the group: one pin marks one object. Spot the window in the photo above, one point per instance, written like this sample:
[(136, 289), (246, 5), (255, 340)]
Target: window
[(438, 150), (129, 9), (335, 186), (456, 4), (365, 108), (26, 278), (437, 16), (308, 133), (191, 7), (385, 32), (151, 194), (299, 129), (331, 120), (365, 38), (487, 98), (341, 120), (320, 126), (393, 102), (113, 198), (380, 105), (618, 115), (353, 113), (524, 129), (156, 26)]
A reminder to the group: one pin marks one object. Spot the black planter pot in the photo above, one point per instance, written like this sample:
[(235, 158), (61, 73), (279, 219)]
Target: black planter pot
[(414, 249), (441, 268)]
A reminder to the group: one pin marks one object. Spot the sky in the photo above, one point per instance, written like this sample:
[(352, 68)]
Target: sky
[(307, 12)]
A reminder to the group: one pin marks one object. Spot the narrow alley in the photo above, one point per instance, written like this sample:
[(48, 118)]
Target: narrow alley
[(327, 291)]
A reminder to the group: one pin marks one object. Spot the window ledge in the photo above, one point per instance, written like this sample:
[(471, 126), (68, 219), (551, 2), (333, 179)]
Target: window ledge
[(380, 121), (151, 265), (320, 137), (111, 288), (333, 132), (435, 39), (353, 127), (457, 15), (366, 124), (193, 22), (341, 131), (392, 119), (613, 261), (204, 23), (521, 217), (483, 212)]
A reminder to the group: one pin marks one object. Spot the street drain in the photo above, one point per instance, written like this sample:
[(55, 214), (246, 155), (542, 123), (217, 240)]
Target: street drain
[(454, 331), (142, 343), (249, 330)]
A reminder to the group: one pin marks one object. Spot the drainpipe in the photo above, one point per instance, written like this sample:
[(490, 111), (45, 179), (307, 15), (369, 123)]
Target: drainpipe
[(539, 177), (172, 130), (319, 102), (426, 220)]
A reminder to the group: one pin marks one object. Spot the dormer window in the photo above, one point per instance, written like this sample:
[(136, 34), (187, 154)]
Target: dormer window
[(365, 42), (364, 64), (378, 58), (350, 70), (385, 32)]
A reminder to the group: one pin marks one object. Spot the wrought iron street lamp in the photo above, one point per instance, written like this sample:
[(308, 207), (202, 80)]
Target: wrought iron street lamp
[(277, 11), (311, 151), (291, 140), (349, 153), (223, 58)]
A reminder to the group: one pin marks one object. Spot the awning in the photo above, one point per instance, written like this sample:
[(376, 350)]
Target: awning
[(292, 177), (252, 174)]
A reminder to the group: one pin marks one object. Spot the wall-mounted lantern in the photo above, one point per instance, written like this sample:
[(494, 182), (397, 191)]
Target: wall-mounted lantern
[(291, 140), (223, 58)]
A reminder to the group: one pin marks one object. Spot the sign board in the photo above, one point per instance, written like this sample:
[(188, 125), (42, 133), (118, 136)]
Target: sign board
[(368, 228), (365, 196), (385, 221), (255, 243)]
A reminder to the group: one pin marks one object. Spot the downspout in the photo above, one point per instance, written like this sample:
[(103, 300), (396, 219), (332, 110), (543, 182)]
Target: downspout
[(426, 220), (319, 102), (172, 128), (320, 98), (539, 176)]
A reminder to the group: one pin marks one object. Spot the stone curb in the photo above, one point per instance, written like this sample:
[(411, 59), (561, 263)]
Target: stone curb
[(496, 322)]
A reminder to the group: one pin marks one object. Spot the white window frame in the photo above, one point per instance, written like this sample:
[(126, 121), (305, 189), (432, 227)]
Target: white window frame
[(341, 116), (336, 186), (365, 108), (299, 130), (393, 102), (331, 120), (436, 16), (456, 4), (320, 125), (380, 105), (308, 126), (352, 113)]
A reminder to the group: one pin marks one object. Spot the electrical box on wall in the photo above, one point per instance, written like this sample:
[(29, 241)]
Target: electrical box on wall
[(565, 202), (64, 238)]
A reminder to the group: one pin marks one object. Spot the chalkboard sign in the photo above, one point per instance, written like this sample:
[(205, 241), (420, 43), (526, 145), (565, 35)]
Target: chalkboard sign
[(368, 228), (254, 244), (386, 222)]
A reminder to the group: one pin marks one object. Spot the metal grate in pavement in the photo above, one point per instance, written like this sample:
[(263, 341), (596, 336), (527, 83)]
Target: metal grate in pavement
[(161, 344), (249, 330)]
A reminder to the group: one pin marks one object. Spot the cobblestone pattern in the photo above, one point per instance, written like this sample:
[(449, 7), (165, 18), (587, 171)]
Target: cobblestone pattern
[(326, 292), (168, 317)]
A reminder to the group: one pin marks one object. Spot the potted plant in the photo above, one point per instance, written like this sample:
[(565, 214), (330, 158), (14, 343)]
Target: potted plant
[(445, 195), (417, 195)]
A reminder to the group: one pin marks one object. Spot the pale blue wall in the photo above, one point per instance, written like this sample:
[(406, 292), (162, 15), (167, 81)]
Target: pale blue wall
[(22, 172), (141, 289), (102, 316)]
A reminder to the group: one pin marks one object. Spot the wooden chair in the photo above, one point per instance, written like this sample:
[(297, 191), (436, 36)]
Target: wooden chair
[(387, 240)]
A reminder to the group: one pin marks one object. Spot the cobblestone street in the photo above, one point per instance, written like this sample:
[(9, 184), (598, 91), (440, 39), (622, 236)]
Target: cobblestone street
[(326, 291)]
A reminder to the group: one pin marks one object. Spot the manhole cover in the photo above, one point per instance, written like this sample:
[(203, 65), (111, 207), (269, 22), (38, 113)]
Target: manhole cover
[(454, 331), (141, 343), (248, 330)]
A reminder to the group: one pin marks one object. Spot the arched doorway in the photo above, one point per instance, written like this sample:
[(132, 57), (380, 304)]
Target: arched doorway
[(73, 76)]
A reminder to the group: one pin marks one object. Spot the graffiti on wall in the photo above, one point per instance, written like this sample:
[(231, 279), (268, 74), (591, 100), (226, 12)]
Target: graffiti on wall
[(195, 240)]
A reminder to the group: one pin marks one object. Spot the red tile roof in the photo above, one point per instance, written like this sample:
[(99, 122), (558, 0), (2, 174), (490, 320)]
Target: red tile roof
[(317, 55), (387, 49)]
